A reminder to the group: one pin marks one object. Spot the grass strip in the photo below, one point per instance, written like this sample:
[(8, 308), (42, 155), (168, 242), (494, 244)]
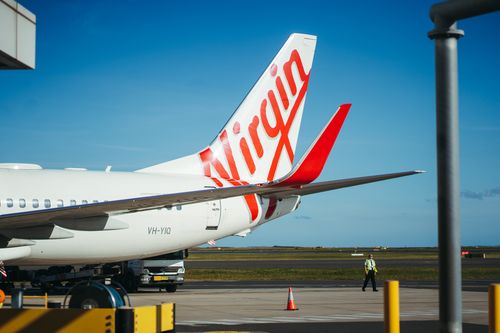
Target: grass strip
[(316, 256), (306, 256), (320, 274)]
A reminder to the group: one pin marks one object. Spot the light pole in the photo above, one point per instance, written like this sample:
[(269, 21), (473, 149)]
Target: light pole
[(446, 35)]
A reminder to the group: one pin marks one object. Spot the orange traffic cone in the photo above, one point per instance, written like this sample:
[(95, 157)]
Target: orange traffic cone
[(291, 302), (2, 298)]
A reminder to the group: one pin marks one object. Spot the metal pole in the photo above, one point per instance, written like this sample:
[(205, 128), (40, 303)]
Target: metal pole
[(456, 10), (450, 276), (17, 298), (445, 34)]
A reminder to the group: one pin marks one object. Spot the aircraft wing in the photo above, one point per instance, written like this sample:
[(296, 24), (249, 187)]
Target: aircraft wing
[(337, 184), (47, 216), (40, 217)]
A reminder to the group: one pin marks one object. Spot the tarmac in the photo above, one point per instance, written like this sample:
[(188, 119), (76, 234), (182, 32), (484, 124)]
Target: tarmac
[(324, 306), (254, 307), (320, 309)]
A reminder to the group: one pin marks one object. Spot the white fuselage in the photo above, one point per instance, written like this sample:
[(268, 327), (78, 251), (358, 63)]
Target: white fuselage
[(148, 233)]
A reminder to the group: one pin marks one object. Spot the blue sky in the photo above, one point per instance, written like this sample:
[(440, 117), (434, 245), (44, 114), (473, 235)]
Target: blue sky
[(132, 84)]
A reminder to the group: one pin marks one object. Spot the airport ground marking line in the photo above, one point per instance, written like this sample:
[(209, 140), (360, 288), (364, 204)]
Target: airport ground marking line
[(229, 322), (201, 322), (328, 318), (268, 320), (275, 320), (284, 319), (474, 311)]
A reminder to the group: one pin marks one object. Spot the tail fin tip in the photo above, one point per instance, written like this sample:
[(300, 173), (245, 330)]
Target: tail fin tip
[(258, 142)]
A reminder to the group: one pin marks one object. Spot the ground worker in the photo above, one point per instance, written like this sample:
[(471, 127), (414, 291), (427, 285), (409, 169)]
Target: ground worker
[(370, 271)]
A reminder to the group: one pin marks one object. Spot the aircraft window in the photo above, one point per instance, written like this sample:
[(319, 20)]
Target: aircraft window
[(84, 202), (46, 203), (10, 203), (35, 203), (22, 203), (72, 202), (60, 203)]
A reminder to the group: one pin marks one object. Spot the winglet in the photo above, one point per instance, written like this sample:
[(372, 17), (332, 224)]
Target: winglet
[(313, 161)]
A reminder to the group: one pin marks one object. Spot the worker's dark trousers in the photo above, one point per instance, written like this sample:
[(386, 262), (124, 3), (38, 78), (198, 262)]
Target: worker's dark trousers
[(370, 276)]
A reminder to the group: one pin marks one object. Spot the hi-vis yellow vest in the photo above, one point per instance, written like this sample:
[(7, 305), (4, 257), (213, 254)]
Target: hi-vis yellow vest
[(370, 265)]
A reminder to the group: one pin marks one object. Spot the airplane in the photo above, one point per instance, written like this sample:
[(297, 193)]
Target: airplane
[(246, 177)]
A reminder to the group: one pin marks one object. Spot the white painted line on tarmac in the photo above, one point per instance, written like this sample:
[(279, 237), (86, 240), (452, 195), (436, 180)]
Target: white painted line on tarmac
[(305, 319)]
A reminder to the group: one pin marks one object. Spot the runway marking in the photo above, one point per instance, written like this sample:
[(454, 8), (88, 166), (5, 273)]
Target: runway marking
[(305, 319)]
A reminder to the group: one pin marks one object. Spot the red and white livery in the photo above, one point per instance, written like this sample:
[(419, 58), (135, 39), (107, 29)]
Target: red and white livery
[(244, 178)]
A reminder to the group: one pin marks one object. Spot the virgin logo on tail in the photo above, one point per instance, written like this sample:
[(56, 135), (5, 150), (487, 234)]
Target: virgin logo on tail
[(277, 129)]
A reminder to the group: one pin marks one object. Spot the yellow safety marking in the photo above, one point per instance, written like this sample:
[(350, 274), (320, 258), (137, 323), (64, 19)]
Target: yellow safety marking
[(167, 316), (391, 306), (57, 320), (12, 320), (494, 308), (145, 319), (94, 320), (83, 321)]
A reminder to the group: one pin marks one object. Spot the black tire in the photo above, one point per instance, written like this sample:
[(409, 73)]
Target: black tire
[(46, 287), (129, 282), (6, 286), (171, 289)]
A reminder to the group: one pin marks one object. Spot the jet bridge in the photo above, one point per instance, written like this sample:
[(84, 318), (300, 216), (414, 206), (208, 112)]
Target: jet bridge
[(17, 36)]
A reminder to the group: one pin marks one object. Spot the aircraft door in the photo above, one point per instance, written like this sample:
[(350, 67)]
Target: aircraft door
[(213, 214)]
